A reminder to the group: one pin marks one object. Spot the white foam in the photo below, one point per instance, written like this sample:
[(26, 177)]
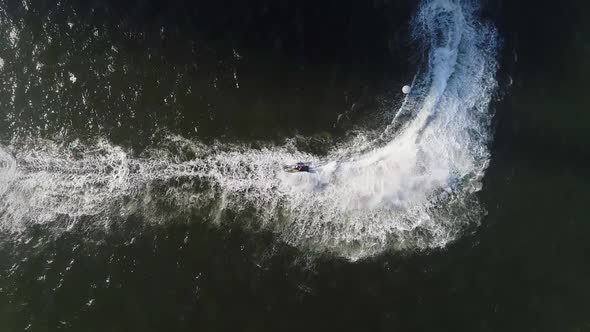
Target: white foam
[(7, 171), (413, 188)]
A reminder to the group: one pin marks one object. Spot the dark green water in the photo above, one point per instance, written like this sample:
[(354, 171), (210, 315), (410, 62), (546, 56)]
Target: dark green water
[(297, 67)]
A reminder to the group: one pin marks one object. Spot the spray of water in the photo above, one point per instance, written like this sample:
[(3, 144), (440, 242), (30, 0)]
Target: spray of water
[(411, 189)]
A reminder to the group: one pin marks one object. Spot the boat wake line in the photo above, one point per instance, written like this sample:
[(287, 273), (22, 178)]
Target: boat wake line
[(413, 188)]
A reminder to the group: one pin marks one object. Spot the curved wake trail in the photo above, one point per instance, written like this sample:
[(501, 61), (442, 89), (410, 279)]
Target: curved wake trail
[(415, 191)]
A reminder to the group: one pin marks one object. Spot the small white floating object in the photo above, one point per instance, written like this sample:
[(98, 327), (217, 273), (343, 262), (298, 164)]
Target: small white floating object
[(406, 89)]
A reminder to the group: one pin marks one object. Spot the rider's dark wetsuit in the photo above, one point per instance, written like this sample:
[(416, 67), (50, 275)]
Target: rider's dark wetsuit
[(302, 168)]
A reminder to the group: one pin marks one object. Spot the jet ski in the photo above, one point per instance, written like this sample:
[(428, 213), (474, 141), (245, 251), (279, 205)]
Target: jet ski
[(298, 168)]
